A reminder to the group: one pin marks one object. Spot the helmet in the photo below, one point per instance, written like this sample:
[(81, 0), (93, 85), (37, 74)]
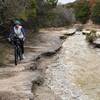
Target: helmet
[(17, 22)]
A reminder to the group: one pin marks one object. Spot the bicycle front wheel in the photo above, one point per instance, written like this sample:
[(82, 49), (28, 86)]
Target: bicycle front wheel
[(16, 55), (20, 53)]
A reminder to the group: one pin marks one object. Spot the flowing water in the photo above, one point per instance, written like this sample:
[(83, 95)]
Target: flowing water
[(76, 73)]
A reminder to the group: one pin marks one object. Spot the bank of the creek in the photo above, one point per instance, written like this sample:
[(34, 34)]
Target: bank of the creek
[(73, 73)]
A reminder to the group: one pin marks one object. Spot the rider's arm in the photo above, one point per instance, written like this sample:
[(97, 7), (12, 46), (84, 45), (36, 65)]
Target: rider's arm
[(11, 34), (23, 31)]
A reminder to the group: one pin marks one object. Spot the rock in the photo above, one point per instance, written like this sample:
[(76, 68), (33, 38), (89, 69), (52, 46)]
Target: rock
[(86, 31), (17, 82), (33, 66), (45, 93), (97, 42), (98, 33), (70, 32), (63, 37), (51, 52), (19, 86)]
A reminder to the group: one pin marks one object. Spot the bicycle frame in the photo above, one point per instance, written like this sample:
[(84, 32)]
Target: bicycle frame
[(17, 50)]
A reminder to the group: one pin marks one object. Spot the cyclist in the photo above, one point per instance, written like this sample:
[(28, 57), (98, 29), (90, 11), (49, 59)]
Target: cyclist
[(19, 31)]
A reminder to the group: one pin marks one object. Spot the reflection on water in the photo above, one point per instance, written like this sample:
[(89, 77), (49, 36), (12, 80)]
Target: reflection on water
[(77, 74)]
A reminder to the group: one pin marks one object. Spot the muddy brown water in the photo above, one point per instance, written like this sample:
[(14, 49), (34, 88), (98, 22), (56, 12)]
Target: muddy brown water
[(73, 74)]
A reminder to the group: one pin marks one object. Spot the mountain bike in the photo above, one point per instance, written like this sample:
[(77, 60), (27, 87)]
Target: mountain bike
[(17, 49)]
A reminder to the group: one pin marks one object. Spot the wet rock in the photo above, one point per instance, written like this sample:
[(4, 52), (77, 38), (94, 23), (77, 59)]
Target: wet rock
[(51, 53), (97, 42), (63, 37), (85, 32), (70, 32)]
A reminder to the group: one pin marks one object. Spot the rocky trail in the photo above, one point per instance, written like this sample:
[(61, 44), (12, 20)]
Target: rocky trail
[(55, 68), (16, 82), (72, 74)]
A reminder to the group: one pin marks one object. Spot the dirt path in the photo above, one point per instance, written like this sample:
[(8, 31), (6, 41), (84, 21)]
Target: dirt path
[(16, 82)]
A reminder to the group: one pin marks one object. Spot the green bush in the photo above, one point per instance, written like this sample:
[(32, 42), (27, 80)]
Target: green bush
[(91, 37), (53, 3), (95, 16), (82, 11), (11, 9)]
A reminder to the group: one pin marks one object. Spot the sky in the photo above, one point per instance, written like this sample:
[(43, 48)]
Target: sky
[(65, 1)]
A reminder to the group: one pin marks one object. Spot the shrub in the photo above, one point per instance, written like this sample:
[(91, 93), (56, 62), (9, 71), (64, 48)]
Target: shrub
[(82, 11), (95, 16), (91, 37), (53, 3)]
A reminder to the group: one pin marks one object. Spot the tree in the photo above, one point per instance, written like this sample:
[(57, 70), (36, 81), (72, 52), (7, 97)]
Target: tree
[(95, 16), (11, 9), (53, 3), (82, 11)]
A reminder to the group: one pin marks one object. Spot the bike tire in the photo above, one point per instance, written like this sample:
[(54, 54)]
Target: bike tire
[(16, 55), (19, 53)]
